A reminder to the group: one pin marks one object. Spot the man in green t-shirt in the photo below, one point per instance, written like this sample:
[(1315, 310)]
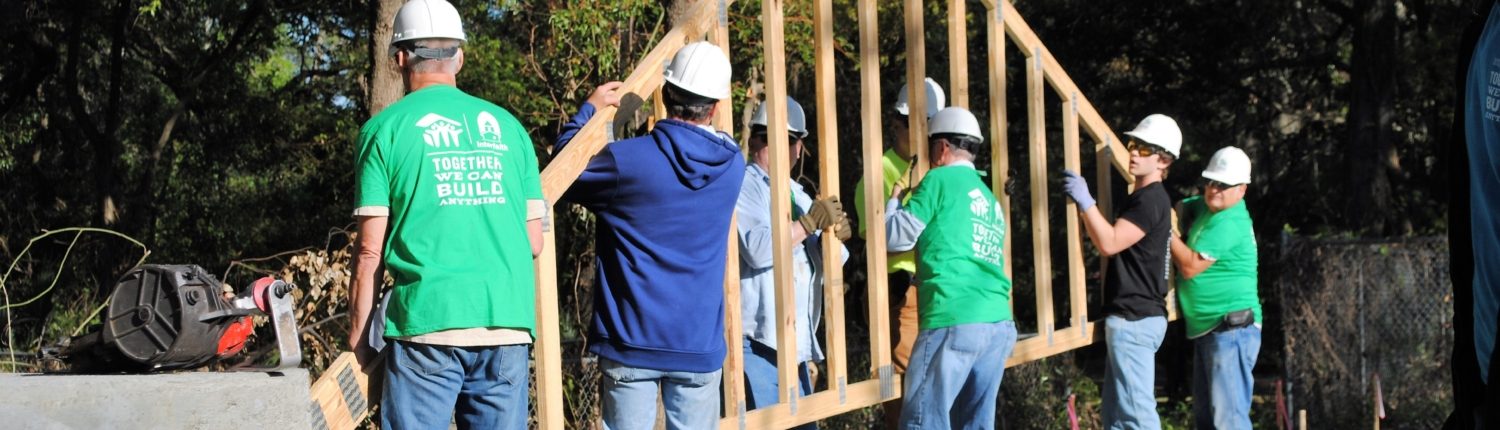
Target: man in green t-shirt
[(955, 225), (1218, 292), (450, 201), (895, 167)]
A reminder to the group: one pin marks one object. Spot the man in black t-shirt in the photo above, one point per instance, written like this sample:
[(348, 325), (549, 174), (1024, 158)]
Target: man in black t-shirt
[(1135, 284)]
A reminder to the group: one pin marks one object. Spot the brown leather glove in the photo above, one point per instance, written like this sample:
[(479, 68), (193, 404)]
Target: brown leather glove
[(824, 213)]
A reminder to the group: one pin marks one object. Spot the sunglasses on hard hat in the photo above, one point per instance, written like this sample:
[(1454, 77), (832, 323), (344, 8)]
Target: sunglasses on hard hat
[(1142, 149)]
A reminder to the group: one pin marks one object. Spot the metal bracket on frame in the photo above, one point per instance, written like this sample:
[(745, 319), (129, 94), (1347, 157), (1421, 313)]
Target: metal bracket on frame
[(887, 381), (843, 388), (791, 395), (741, 407), (723, 13)]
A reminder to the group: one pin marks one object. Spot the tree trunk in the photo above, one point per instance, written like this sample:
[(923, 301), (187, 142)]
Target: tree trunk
[(385, 80), (1371, 149)]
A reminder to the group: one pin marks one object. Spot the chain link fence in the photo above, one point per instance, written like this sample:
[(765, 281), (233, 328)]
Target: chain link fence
[(1354, 309)]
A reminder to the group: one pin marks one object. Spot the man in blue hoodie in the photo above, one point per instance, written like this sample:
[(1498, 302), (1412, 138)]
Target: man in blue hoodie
[(664, 202)]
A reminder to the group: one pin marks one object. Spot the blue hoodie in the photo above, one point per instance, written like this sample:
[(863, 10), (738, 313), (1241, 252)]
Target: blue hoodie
[(663, 201)]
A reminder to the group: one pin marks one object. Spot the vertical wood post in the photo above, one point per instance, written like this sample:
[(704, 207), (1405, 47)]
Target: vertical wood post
[(916, 89), (958, 53), (549, 376), (828, 172), (1077, 300), (734, 339), (870, 110), (775, 102), (1040, 232), (999, 125)]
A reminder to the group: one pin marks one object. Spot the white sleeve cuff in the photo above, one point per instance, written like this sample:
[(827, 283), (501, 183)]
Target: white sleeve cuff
[(372, 211), (536, 209)]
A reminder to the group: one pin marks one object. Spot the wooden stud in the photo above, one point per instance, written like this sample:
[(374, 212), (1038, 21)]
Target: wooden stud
[(828, 170), (1040, 233), (719, 35), (958, 53), (549, 376), (916, 89), (659, 107), (734, 329), (999, 126), (1104, 181), (874, 180), (811, 408), (1077, 299), (786, 299)]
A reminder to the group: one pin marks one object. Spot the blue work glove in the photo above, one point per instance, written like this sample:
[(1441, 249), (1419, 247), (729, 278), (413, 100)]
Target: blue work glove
[(1077, 189)]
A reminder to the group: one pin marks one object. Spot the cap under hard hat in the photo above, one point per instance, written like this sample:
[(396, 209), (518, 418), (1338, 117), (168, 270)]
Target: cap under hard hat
[(955, 120), (1159, 130), (796, 119), (700, 68), (1230, 166), (427, 19), (935, 99)]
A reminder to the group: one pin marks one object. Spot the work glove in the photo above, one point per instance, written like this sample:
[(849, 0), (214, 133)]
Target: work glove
[(825, 212), (842, 229), (1077, 189)]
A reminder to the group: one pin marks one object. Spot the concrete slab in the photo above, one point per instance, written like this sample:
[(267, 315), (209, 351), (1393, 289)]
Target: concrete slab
[(196, 400)]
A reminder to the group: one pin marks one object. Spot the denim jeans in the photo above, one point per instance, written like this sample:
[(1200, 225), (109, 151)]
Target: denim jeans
[(761, 381), (1222, 383), (480, 387), (954, 376), (1130, 374), (691, 399)]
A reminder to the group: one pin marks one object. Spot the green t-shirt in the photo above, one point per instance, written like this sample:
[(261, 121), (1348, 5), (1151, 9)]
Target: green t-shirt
[(961, 253), (1229, 284), (893, 167), (455, 172)]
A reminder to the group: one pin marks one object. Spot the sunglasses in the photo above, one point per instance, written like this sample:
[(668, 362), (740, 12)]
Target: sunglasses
[(1216, 185), (1141, 149)]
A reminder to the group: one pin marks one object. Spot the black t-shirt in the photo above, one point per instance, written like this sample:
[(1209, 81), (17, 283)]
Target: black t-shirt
[(1135, 285)]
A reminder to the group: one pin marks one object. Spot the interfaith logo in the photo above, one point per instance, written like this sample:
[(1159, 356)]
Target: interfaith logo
[(441, 132)]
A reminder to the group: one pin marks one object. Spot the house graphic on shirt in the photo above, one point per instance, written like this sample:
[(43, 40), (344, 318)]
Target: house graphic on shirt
[(441, 132)]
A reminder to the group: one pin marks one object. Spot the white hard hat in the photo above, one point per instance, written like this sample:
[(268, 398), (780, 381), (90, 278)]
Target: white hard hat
[(1159, 130), (796, 120), (427, 19), (936, 100), (955, 120), (700, 68), (1230, 166)]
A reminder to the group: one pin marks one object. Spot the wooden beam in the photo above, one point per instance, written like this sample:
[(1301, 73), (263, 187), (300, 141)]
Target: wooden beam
[(549, 376), (781, 214), (1077, 298), (1040, 233), (690, 25), (958, 53), (916, 89), (999, 125), (874, 180), (828, 172), (811, 408), (1105, 184), (1026, 39), (734, 339)]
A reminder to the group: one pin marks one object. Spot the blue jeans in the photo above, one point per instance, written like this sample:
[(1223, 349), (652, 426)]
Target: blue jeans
[(1130, 376), (481, 387), (761, 381), (691, 399), (953, 379), (1222, 383)]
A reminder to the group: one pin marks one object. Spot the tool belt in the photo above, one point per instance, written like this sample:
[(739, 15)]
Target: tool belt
[(1237, 319)]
